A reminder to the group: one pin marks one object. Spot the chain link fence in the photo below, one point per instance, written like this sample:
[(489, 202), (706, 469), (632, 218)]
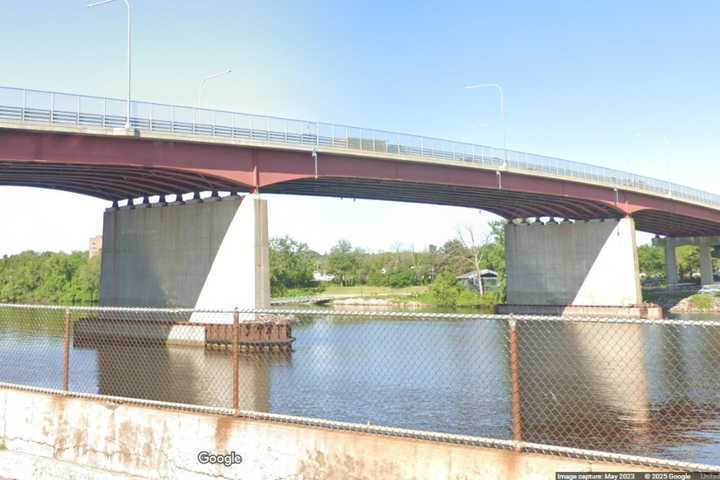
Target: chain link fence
[(564, 386)]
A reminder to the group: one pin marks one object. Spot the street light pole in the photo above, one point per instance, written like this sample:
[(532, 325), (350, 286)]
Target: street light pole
[(129, 55), (502, 113), (206, 79)]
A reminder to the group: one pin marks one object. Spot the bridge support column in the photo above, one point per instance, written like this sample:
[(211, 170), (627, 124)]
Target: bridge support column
[(587, 263), (706, 264), (208, 255), (671, 270)]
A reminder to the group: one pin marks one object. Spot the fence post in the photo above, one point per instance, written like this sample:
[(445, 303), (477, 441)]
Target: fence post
[(66, 351), (235, 361), (515, 380)]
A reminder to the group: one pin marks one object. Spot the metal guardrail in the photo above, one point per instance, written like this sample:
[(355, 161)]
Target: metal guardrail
[(609, 389), (35, 106)]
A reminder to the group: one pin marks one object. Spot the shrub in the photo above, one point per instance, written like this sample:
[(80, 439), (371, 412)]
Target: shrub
[(445, 291)]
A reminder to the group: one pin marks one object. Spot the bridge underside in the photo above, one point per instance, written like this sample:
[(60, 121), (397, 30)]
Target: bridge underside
[(117, 182), (505, 203), (112, 182)]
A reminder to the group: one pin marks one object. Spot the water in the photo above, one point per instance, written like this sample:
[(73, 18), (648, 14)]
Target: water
[(638, 389)]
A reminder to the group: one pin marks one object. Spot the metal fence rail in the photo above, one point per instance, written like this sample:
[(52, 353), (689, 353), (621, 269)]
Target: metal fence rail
[(610, 389), (34, 106)]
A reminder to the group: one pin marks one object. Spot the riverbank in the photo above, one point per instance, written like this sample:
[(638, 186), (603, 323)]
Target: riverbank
[(418, 296), (698, 303)]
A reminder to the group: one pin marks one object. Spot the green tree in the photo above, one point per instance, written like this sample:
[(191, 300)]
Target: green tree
[(652, 260), (445, 291), (49, 278), (688, 261), (344, 262), (292, 265)]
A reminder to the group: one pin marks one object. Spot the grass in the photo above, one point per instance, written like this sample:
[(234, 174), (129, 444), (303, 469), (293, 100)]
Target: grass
[(371, 291), (702, 301), (418, 294), (300, 292)]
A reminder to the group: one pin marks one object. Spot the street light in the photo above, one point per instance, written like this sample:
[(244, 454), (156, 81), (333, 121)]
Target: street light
[(206, 79), (129, 53), (502, 112)]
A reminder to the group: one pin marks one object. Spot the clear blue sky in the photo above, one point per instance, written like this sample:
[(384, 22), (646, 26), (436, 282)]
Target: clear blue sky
[(630, 85)]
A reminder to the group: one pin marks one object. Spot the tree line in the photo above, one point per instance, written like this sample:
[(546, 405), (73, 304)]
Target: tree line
[(293, 263), (50, 278), (74, 279)]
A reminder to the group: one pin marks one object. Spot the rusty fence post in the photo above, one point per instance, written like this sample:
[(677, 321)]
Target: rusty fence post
[(66, 351), (235, 361), (515, 380)]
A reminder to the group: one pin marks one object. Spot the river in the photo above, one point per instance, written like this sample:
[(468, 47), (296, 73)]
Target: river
[(638, 389)]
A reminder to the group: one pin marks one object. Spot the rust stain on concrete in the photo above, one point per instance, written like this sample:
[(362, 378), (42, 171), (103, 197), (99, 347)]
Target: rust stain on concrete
[(223, 428), (56, 426), (125, 438)]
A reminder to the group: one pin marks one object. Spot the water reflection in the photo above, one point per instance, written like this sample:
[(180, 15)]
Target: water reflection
[(644, 389), (184, 374), (583, 384)]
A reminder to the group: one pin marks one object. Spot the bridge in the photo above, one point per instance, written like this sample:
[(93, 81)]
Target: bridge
[(77, 143)]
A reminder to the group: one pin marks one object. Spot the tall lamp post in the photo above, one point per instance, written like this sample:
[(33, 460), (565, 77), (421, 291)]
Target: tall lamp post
[(207, 79), (502, 113), (129, 56)]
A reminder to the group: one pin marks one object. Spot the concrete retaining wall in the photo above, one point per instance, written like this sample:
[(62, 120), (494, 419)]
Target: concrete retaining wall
[(50, 436), (198, 255), (581, 263)]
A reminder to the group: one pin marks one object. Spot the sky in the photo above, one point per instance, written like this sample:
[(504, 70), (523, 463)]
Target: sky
[(627, 85)]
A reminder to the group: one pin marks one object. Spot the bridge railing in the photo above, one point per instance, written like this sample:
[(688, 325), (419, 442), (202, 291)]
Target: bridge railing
[(34, 106), (612, 389)]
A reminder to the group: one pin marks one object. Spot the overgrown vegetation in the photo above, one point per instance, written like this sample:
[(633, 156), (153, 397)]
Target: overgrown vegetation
[(703, 301), (50, 278)]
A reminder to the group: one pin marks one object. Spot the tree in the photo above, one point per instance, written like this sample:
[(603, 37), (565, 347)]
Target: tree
[(292, 264), (688, 260), (652, 260), (485, 252), (344, 262), (444, 290), (49, 278)]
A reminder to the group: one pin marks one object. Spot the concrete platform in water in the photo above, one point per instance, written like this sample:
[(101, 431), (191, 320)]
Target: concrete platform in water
[(265, 333)]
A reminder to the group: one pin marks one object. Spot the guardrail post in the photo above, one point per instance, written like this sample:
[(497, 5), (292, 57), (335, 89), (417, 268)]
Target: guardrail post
[(515, 382), (236, 362), (66, 351)]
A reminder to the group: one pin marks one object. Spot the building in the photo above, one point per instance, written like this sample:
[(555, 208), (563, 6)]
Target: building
[(323, 277), (95, 247), (489, 279)]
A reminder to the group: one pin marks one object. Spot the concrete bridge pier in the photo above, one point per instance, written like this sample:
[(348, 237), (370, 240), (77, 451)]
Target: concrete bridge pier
[(706, 264), (578, 264), (705, 245), (205, 254), (671, 268)]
